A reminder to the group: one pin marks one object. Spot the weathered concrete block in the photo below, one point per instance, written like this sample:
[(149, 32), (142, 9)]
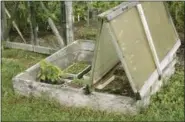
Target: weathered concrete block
[(29, 47)]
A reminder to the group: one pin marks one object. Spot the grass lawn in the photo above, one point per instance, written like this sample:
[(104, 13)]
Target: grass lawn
[(166, 105)]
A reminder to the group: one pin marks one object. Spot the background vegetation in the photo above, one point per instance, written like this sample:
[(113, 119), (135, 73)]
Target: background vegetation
[(177, 13), (80, 8)]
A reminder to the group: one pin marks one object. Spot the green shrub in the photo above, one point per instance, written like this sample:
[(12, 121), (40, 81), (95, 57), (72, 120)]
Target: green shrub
[(177, 13), (49, 72), (80, 8)]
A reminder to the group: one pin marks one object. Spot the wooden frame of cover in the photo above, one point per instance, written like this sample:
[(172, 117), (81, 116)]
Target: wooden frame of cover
[(147, 43)]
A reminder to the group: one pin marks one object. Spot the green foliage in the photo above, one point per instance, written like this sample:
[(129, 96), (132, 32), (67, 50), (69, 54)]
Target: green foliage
[(80, 8), (76, 68), (103, 6), (21, 13), (177, 12), (54, 11), (49, 72)]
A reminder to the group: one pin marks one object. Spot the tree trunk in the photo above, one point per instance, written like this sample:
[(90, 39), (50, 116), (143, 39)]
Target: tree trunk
[(63, 21), (53, 27), (33, 24), (88, 11), (3, 21), (69, 21), (56, 32), (9, 22), (15, 25)]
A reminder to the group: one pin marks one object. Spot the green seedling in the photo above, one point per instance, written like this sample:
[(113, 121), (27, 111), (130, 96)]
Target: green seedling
[(76, 68), (50, 72)]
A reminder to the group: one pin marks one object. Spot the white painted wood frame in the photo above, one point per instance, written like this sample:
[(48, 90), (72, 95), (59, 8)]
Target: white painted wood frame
[(149, 38), (154, 76)]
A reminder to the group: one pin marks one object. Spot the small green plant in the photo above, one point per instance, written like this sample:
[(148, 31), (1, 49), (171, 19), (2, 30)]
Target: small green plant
[(50, 72), (75, 68)]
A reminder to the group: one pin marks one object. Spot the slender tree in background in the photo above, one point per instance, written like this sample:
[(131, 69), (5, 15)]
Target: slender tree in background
[(14, 23), (63, 21), (88, 11), (3, 21), (32, 21), (69, 21), (13, 17), (52, 25)]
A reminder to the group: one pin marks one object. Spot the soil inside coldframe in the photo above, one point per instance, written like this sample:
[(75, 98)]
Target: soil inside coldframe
[(119, 86)]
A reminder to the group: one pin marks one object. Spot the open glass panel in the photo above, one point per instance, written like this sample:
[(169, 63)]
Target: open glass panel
[(105, 54), (132, 41), (161, 27)]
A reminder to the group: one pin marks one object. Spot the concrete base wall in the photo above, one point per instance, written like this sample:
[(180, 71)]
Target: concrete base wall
[(157, 85), (29, 47)]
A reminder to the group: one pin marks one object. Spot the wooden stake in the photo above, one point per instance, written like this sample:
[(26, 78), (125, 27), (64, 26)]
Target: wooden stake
[(15, 25), (3, 21), (109, 80), (33, 26), (9, 23), (53, 27), (55, 31)]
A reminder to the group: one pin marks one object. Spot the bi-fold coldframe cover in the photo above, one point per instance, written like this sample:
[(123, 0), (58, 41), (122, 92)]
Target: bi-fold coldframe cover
[(105, 54), (126, 37)]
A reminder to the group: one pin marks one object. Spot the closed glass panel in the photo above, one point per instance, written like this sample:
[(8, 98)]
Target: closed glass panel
[(160, 26)]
